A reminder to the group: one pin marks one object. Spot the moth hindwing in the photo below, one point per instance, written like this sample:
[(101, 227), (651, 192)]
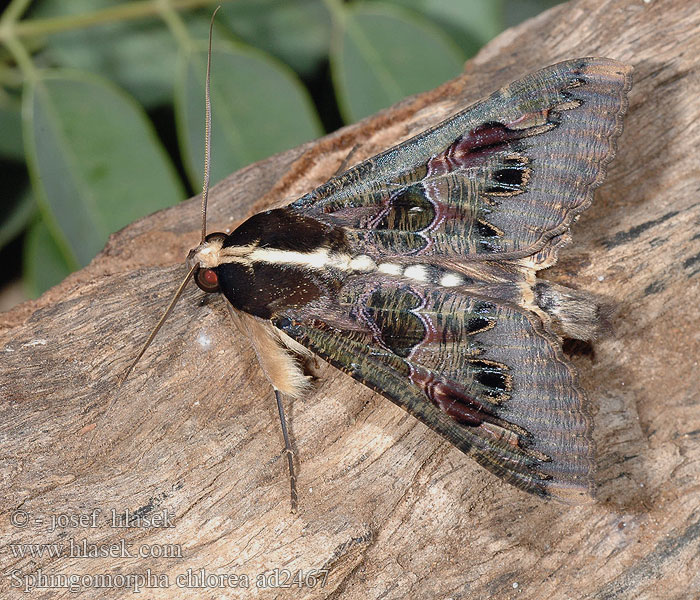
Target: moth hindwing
[(415, 272)]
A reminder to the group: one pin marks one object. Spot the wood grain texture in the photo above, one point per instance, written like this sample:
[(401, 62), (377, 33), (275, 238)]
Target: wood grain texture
[(391, 509)]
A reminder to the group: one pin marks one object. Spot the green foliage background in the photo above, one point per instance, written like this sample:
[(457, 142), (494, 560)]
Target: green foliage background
[(102, 110)]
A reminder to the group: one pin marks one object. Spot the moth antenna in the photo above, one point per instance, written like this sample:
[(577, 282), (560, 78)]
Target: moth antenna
[(207, 131), (154, 331), (205, 196)]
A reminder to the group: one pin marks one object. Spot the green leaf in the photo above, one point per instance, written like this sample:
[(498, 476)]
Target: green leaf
[(138, 55), (258, 108), (517, 11), (95, 162), (44, 263), (11, 137), (18, 211), (297, 32), (470, 23), (380, 55)]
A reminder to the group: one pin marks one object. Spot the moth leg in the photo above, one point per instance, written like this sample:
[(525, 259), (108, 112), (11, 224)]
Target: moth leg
[(288, 451), (276, 355)]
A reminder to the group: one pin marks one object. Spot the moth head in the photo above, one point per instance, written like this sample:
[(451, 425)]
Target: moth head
[(204, 259)]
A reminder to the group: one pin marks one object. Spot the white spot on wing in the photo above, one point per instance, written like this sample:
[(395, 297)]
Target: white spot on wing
[(417, 272), (451, 280), (390, 268), (362, 263)]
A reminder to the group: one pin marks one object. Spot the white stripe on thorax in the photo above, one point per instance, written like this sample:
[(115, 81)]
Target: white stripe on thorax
[(322, 258)]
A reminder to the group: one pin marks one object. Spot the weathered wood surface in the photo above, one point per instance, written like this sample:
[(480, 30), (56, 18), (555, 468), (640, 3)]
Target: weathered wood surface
[(391, 509)]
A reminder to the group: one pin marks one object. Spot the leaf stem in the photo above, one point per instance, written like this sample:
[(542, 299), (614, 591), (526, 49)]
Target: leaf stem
[(8, 27), (175, 23), (22, 57), (336, 9), (121, 12), (13, 12)]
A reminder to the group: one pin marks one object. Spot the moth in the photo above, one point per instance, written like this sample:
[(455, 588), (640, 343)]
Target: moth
[(415, 272)]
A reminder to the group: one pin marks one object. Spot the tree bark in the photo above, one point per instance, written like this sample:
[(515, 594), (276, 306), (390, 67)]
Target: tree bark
[(387, 506)]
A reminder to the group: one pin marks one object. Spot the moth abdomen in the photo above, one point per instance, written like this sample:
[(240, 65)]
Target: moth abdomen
[(574, 314)]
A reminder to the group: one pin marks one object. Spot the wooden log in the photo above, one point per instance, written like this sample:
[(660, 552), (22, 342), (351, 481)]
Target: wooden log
[(388, 507)]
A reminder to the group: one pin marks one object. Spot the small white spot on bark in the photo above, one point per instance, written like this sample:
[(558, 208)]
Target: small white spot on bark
[(35, 343), (204, 341)]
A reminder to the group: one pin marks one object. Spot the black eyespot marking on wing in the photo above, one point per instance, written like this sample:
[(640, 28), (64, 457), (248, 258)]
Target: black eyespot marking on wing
[(485, 229), (407, 243), (492, 376), (480, 318), (476, 324), (492, 379), (389, 314), (510, 177), (409, 210)]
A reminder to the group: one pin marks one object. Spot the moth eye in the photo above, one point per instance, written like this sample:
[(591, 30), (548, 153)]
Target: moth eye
[(207, 280)]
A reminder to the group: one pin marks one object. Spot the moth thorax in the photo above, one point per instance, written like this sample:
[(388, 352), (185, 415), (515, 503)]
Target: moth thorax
[(208, 254)]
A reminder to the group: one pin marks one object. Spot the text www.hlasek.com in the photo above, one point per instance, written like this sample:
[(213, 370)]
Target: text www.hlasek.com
[(84, 549)]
